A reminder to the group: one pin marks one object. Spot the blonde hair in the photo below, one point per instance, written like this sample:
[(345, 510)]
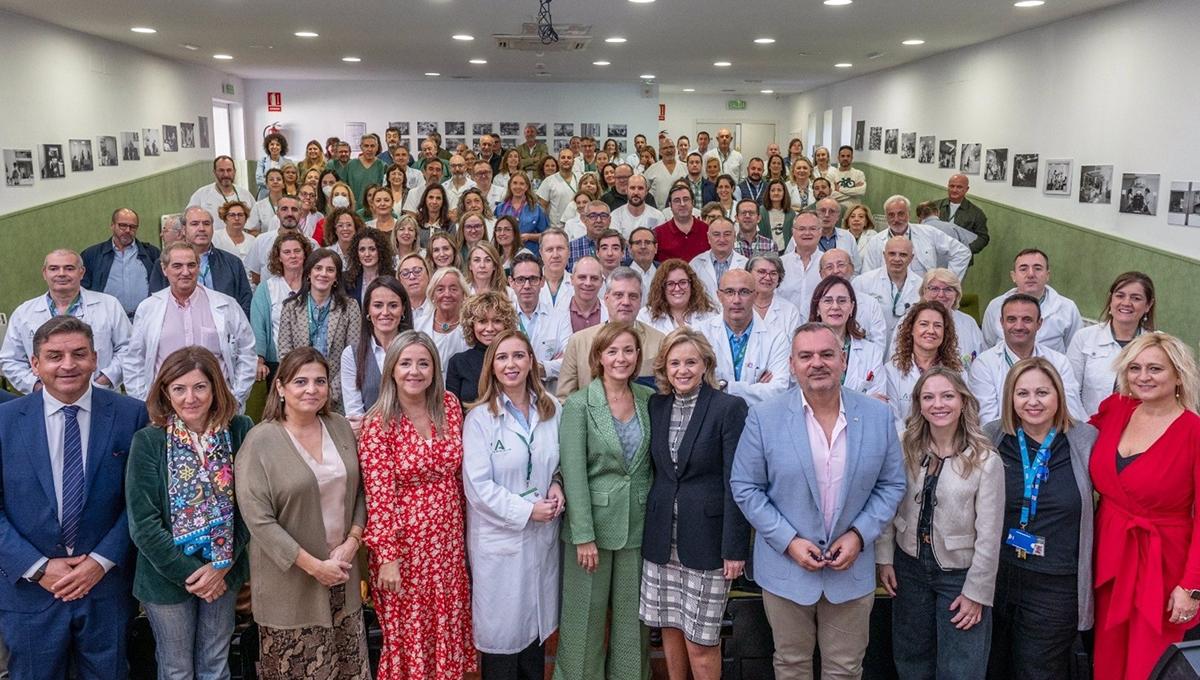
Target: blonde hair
[(387, 407), (496, 282), (917, 439), (483, 305), (1009, 420), (1181, 358), (489, 387), (680, 336), (945, 276)]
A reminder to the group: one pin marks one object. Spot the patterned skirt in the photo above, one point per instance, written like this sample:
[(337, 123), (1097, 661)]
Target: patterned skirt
[(691, 600), (317, 652)]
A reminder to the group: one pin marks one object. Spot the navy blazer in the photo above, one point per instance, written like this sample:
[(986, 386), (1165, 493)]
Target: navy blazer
[(711, 527), (29, 525), (98, 259), (708, 192), (228, 277)]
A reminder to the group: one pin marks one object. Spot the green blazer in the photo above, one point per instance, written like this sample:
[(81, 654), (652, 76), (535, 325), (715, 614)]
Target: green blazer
[(606, 501), (531, 157), (968, 216), (764, 226), (162, 568)]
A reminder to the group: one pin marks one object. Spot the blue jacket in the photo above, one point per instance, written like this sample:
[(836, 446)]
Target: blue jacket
[(228, 277), (29, 524), (98, 259)]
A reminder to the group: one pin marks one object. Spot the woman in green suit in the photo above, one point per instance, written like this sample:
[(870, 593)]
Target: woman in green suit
[(604, 439)]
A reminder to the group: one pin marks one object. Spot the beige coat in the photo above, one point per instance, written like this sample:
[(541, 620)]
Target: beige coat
[(277, 494), (576, 373), (966, 523)]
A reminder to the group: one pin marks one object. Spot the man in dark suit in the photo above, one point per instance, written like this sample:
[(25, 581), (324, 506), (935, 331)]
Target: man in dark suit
[(219, 270), (65, 553), (959, 209), (124, 253)]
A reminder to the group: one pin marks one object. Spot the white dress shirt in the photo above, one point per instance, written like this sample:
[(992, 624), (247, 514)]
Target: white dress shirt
[(352, 399), (453, 193), (1060, 320), (929, 246)]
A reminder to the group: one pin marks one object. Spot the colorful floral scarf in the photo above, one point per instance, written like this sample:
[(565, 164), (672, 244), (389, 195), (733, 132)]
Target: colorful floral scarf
[(201, 492)]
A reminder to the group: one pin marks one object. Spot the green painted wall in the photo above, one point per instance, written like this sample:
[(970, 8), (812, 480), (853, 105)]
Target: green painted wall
[(1083, 262), (80, 221)]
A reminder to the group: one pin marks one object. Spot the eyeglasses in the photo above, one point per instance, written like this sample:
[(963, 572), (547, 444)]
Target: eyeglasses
[(939, 290), (747, 213), (527, 280), (678, 285), (595, 217), (830, 301), (737, 292), (413, 273), (767, 273), (681, 200), (228, 216)]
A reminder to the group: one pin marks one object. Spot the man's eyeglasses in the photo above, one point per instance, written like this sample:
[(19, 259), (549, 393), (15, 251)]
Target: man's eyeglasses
[(527, 280), (737, 292), (596, 216)]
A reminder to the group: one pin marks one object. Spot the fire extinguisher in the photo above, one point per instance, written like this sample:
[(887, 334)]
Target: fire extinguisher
[(273, 128)]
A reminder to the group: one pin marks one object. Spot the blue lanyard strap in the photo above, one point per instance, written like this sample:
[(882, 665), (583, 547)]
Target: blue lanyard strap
[(1036, 472), (737, 348)]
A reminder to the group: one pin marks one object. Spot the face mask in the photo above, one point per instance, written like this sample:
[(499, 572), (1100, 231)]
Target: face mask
[(328, 189), (340, 201)]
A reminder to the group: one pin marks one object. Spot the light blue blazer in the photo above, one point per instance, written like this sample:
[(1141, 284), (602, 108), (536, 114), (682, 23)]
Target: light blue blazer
[(775, 485)]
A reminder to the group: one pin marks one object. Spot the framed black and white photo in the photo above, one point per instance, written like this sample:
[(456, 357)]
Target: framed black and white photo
[(480, 129), (402, 126), (510, 129), (1025, 170), (151, 146), (204, 133), (424, 127), (539, 129), (80, 151), (876, 139), (170, 137), (891, 141), (1058, 177), (18, 167), (560, 143), (1139, 193), (131, 146), (564, 130), (509, 142), (106, 149), (589, 130), (1183, 204), (948, 154), (187, 135), (50, 158), (456, 128), (860, 133), (995, 168), (971, 159), (928, 149), (908, 145), (618, 130), (1095, 184), (451, 143)]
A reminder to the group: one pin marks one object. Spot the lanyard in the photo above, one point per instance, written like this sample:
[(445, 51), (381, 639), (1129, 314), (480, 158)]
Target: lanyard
[(755, 194), (895, 297), (846, 351), (318, 316), (1036, 472), (1007, 359), (206, 270), (738, 349), (72, 309), (528, 457)]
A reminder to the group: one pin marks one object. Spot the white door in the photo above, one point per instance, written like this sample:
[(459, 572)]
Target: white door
[(712, 127), (222, 134), (753, 139)]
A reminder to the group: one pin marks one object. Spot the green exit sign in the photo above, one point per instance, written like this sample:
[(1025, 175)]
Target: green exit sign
[(228, 89), (735, 104)]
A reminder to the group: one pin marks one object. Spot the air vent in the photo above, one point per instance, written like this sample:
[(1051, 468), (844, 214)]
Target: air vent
[(571, 38), (752, 80), (542, 74), (461, 77), (875, 55)]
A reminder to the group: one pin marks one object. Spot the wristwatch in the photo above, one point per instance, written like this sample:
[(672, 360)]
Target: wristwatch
[(37, 575), (1194, 594)]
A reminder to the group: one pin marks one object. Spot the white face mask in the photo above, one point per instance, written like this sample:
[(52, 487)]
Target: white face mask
[(328, 189), (340, 201)]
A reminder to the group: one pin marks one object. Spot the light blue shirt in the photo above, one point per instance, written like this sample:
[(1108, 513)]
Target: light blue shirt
[(206, 269), (516, 412), (737, 347), (127, 279)]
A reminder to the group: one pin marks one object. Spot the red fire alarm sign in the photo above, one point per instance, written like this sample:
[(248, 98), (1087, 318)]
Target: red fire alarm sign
[(274, 102)]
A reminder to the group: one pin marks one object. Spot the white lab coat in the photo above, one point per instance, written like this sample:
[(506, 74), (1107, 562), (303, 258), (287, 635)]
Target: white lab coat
[(666, 324), (867, 312), (706, 270), (551, 328), (565, 292), (766, 350), (238, 354), (1060, 321), (893, 304), (1091, 355), (929, 244), (799, 281), (970, 339), (990, 369), (864, 368), (110, 335), (846, 242), (782, 316), (514, 559)]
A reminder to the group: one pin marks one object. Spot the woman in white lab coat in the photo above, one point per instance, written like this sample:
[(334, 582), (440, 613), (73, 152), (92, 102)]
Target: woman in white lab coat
[(924, 339), (1128, 312), (514, 499), (835, 304), (941, 285), (781, 315), (676, 298)]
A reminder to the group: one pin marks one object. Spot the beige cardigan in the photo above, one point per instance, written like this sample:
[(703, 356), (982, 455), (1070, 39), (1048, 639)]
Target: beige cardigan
[(966, 524), (280, 503)]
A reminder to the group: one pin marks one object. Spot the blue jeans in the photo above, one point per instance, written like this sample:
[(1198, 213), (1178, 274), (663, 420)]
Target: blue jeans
[(191, 640), (926, 645)]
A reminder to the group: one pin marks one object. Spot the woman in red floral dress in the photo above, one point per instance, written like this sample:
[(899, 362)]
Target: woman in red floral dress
[(411, 454)]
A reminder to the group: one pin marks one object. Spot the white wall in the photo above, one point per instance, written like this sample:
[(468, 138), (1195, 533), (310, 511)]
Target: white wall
[(685, 109), (1112, 87), (61, 85)]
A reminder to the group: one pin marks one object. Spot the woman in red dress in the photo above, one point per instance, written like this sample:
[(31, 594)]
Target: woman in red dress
[(411, 450), (1146, 468)]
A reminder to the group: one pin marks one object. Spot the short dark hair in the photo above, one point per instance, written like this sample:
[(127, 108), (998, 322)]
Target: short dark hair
[(647, 230), (1020, 297), (218, 159), (526, 258), (276, 137), (926, 208), (845, 147), (289, 366), (822, 179), (178, 364), (1032, 251), (62, 325)]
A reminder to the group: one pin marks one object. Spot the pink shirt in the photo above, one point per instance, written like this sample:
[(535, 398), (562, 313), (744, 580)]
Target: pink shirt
[(829, 459), (188, 324)]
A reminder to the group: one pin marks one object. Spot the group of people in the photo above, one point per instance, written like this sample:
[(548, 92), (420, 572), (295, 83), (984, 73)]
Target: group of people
[(506, 428)]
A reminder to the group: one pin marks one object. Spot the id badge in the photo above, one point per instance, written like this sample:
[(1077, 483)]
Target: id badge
[(1025, 543), (532, 495)]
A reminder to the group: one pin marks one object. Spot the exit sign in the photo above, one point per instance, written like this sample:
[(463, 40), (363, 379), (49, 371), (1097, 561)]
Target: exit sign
[(228, 88), (735, 104)]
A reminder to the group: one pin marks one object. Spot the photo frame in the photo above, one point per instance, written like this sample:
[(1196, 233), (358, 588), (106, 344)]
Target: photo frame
[(995, 167), (928, 149), (1183, 204), (1139, 193), (948, 154), (876, 140), (108, 152), (1025, 170), (18, 167), (1095, 184), (1058, 177), (80, 153), (908, 145), (891, 141)]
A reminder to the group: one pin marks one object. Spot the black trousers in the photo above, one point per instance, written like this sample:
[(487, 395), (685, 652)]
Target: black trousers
[(527, 664), (1034, 623)]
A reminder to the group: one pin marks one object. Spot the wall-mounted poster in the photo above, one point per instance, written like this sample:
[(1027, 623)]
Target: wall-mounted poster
[(18, 167), (995, 169), (52, 164), (400, 125), (81, 155), (1025, 170), (860, 133), (891, 141), (106, 147), (150, 144), (928, 149), (618, 130), (187, 135), (971, 159), (480, 129), (948, 154), (1139, 193), (354, 132), (170, 138), (561, 143), (424, 127), (510, 129), (589, 130), (452, 144), (203, 125), (564, 129), (1095, 184), (131, 146), (908, 145), (876, 139), (509, 142), (456, 128), (1183, 205), (1058, 178)]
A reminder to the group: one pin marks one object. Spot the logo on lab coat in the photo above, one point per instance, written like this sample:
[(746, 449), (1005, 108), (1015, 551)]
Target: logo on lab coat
[(499, 446)]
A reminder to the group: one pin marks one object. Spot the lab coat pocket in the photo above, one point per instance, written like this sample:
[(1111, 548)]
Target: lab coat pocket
[(496, 542)]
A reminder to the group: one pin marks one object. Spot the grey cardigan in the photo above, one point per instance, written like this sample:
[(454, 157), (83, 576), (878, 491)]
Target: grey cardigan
[(1081, 437), (280, 503)]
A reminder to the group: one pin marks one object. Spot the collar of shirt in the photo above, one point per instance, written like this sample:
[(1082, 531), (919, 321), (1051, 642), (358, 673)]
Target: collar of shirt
[(197, 294), (516, 412), (52, 405), (736, 340), (808, 410)]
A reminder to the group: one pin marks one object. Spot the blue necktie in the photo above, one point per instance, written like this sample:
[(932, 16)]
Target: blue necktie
[(72, 477)]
